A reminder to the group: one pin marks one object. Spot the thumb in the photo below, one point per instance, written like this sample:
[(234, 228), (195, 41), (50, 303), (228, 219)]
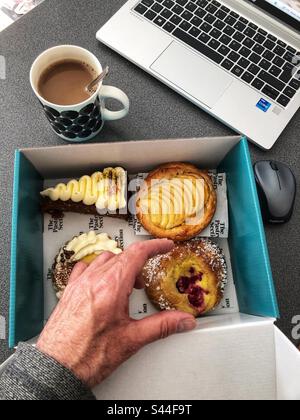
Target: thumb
[(163, 325)]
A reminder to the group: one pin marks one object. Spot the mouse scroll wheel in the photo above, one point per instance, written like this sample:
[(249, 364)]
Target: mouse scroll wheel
[(274, 166)]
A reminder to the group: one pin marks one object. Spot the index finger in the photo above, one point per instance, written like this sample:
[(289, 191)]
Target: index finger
[(124, 269)]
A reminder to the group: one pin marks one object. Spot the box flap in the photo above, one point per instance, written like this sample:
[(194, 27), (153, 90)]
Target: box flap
[(249, 251), (288, 368), (26, 287), (223, 363)]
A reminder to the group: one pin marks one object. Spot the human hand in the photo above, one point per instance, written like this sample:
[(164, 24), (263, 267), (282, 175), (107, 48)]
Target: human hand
[(90, 331)]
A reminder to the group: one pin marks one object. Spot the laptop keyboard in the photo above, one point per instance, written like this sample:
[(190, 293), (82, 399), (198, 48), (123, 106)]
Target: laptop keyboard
[(237, 45)]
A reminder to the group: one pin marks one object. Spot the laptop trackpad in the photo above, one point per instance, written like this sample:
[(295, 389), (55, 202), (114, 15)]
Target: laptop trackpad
[(195, 75)]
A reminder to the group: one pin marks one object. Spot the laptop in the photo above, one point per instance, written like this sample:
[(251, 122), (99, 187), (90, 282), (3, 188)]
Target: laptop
[(239, 60)]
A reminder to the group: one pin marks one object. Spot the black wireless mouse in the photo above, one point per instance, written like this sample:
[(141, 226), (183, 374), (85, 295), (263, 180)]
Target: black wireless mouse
[(277, 191)]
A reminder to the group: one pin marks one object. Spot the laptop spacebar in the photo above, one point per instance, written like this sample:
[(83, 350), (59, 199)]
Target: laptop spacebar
[(199, 46)]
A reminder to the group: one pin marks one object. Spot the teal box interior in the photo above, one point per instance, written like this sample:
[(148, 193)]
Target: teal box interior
[(247, 242)]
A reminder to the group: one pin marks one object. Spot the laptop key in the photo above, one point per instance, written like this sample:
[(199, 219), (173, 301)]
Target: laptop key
[(272, 37), (275, 71), (176, 20), (191, 6), (268, 55), (257, 83), (283, 100), (244, 20), (291, 49), (253, 26), (202, 3), (194, 31), (286, 76), (210, 18), (281, 43), (278, 61), (269, 44), (271, 92), (225, 39), (271, 80), (166, 14), (204, 38), (177, 9), (148, 3), (200, 13), (279, 50), (196, 21), (233, 56), (214, 44), (288, 67), (211, 8), (247, 77), (238, 37), (254, 69), (141, 9), (243, 62), (255, 58), (245, 52), (224, 50), (248, 42), (182, 2), (169, 27), (185, 25), (295, 84), (199, 46), (215, 33), (234, 14), (289, 57), (150, 15), (262, 31), (238, 71), (258, 49), (229, 30), (227, 64), (290, 92), (219, 24), (168, 4), (206, 27), (235, 46), (187, 15), (264, 64), (240, 26), (230, 20), (157, 7), (225, 9), (220, 14), (159, 21), (249, 32), (260, 39)]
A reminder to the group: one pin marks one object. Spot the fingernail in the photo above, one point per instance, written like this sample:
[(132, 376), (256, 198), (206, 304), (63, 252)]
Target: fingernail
[(187, 324)]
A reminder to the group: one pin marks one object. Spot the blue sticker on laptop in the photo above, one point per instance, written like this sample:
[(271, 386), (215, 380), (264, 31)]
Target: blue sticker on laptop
[(263, 105)]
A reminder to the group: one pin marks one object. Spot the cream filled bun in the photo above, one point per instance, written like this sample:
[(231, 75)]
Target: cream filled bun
[(86, 248)]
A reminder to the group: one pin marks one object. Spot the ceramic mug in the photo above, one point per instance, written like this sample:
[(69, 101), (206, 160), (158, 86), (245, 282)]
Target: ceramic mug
[(83, 121)]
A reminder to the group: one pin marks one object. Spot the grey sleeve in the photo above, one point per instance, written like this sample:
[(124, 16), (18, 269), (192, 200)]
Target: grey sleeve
[(31, 375)]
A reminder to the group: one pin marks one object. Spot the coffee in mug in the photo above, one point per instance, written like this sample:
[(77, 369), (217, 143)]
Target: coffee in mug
[(65, 82), (59, 77)]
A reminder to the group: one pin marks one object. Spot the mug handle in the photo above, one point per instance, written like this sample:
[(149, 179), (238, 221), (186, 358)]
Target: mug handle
[(110, 92)]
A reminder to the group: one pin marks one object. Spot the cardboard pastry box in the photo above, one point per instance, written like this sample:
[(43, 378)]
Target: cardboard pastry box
[(235, 356)]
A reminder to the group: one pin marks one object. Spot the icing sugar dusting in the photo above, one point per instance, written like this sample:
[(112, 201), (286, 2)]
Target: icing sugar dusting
[(203, 248)]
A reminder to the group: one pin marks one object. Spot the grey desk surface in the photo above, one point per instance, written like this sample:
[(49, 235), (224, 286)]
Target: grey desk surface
[(156, 112)]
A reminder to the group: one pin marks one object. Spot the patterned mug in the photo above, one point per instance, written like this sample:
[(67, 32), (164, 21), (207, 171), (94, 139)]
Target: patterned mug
[(83, 121)]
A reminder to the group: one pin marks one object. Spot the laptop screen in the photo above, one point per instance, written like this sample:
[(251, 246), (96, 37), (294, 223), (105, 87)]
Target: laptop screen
[(286, 10)]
